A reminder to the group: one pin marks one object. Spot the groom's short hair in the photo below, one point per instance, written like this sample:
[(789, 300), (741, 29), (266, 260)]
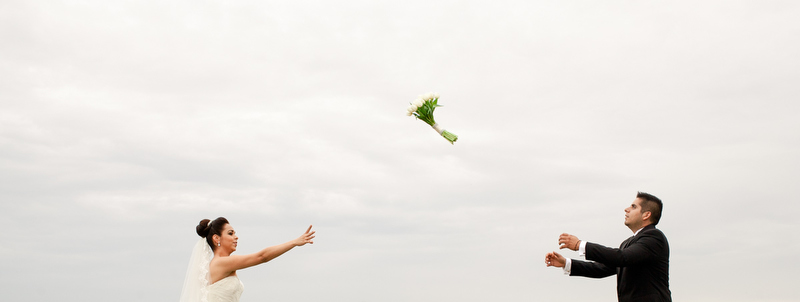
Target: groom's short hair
[(651, 204)]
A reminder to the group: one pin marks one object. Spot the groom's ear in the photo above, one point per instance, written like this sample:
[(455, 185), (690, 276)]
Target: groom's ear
[(645, 216)]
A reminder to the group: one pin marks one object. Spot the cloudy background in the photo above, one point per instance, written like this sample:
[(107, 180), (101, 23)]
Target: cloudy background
[(124, 123)]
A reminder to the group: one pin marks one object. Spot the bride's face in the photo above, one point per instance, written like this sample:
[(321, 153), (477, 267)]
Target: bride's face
[(228, 238)]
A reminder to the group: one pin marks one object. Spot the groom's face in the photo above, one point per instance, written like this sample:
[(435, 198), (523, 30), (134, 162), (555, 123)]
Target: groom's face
[(634, 216)]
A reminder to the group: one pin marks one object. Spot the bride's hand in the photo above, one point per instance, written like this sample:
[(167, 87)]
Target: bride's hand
[(305, 238)]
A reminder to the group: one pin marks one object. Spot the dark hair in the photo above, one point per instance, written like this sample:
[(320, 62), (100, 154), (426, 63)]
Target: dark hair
[(207, 229), (651, 204)]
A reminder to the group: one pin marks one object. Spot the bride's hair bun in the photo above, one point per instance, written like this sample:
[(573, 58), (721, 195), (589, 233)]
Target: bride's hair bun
[(202, 228), (207, 229)]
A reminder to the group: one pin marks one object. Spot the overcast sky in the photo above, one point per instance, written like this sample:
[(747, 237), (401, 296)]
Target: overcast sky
[(124, 123)]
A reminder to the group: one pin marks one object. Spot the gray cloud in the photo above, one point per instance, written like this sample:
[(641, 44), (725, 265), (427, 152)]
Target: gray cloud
[(124, 124)]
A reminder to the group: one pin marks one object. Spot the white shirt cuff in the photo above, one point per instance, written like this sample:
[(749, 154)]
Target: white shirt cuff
[(582, 249), (568, 267)]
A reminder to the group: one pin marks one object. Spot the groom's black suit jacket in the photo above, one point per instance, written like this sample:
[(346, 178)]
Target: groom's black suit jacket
[(641, 264)]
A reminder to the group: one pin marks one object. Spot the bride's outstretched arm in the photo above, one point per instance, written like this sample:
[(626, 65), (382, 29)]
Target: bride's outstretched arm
[(233, 263), (273, 252)]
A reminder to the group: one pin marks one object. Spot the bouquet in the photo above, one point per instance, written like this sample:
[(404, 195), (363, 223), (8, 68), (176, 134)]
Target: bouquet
[(422, 108)]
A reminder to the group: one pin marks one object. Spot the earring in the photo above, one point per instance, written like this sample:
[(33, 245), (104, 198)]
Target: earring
[(218, 244)]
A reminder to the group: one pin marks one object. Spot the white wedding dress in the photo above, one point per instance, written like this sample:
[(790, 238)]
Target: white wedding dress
[(229, 289), (196, 287)]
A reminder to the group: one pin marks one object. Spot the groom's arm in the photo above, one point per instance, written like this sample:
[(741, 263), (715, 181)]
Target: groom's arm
[(591, 269), (645, 248), (574, 267)]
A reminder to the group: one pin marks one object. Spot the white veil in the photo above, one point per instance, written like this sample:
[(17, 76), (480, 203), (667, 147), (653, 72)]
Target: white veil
[(195, 287)]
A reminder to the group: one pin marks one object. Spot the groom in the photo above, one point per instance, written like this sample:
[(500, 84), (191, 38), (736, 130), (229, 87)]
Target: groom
[(641, 262)]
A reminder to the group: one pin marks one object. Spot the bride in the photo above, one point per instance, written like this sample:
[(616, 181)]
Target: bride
[(214, 279)]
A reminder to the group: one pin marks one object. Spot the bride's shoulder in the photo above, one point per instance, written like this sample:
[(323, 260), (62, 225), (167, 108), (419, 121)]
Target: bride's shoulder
[(235, 262)]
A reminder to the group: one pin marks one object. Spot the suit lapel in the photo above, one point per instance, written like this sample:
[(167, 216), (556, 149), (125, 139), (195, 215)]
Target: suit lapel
[(626, 243)]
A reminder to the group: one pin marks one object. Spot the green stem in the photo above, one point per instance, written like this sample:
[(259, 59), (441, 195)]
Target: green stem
[(449, 136)]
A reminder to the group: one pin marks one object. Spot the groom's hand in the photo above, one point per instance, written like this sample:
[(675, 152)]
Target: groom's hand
[(568, 241), (554, 259)]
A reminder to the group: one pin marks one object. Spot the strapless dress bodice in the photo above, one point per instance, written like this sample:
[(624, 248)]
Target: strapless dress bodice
[(229, 289)]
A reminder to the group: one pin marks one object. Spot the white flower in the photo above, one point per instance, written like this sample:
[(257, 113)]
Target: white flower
[(428, 96), (435, 95), (418, 102), (411, 109)]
